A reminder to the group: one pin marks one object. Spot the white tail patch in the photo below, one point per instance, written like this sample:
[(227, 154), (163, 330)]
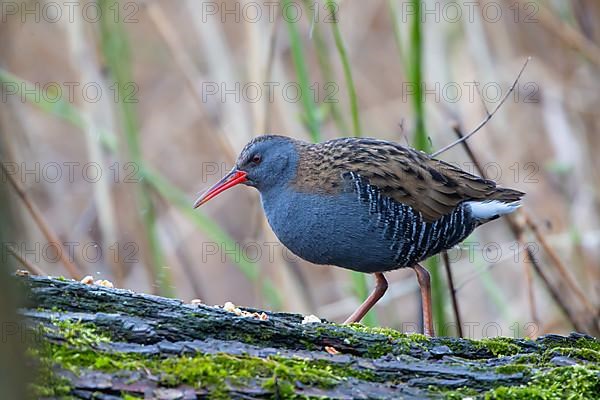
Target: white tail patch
[(491, 208)]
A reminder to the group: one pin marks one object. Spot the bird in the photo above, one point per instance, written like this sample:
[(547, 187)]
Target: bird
[(365, 204)]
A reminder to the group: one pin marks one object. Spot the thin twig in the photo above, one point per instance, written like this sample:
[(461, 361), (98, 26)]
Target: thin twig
[(529, 278), (34, 269), (483, 103), (517, 231), (48, 233), (480, 271), (554, 292), (562, 270), (489, 115), (455, 308)]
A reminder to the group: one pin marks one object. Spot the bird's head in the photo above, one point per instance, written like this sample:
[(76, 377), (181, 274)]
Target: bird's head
[(266, 162)]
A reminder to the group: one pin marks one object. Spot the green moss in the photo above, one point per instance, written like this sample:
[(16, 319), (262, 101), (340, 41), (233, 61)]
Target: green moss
[(527, 359), (500, 346), (219, 373), (75, 334), (273, 372), (390, 333), (510, 369), (76, 353), (379, 350), (398, 342), (548, 381), (588, 343), (580, 343), (308, 345), (216, 372), (456, 346), (47, 384), (341, 333), (578, 353), (572, 382), (455, 394), (78, 334)]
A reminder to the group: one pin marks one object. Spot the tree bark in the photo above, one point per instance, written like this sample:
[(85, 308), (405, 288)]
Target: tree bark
[(355, 362)]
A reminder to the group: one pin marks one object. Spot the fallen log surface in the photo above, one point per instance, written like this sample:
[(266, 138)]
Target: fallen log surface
[(96, 342)]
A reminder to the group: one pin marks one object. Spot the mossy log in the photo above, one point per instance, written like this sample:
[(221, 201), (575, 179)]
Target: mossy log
[(104, 343)]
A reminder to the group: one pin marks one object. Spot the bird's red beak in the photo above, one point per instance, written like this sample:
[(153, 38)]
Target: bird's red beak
[(230, 180)]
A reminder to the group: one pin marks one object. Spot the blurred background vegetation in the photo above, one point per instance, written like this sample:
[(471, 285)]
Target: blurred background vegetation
[(115, 114)]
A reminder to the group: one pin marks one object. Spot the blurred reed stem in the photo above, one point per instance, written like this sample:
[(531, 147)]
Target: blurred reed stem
[(310, 111), (84, 59), (421, 142), (115, 48), (339, 44), (328, 79), (393, 7), (415, 71)]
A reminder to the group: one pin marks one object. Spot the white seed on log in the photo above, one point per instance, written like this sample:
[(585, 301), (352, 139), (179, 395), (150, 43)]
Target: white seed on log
[(311, 319)]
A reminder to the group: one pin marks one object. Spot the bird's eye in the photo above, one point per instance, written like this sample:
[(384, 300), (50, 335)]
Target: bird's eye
[(256, 159)]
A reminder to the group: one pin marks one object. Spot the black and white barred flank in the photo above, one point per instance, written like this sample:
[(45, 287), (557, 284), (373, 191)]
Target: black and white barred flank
[(411, 238)]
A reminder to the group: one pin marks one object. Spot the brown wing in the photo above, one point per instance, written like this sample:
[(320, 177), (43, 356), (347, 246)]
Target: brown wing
[(408, 176)]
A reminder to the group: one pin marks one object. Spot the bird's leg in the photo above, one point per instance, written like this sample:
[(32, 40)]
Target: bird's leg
[(381, 286), (425, 286)]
